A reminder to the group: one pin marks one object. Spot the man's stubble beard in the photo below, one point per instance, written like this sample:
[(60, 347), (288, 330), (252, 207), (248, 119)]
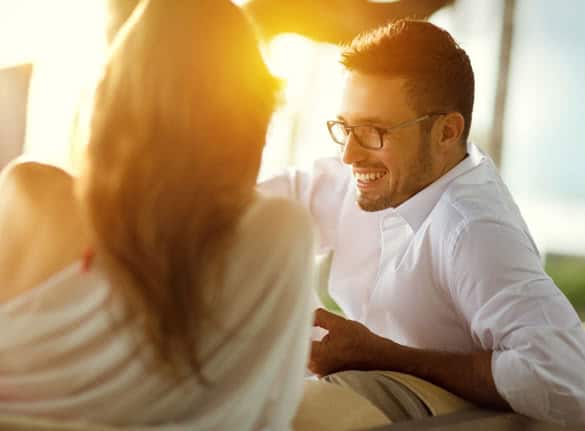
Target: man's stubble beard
[(422, 165), (378, 204)]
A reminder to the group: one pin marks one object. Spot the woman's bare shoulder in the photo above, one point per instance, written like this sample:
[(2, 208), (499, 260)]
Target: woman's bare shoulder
[(37, 207), (32, 179)]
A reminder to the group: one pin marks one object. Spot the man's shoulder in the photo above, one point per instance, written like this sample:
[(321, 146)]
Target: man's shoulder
[(329, 169), (476, 196), (326, 175)]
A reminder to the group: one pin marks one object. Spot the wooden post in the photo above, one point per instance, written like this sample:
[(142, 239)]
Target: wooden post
[(499, 116)]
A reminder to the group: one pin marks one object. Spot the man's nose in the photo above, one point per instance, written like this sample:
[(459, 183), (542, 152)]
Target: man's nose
[(352, 151)]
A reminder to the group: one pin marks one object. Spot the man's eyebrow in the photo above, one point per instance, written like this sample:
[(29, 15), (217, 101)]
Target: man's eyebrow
[(364, 120)]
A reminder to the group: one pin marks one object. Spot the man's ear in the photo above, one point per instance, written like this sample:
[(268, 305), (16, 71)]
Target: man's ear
[(451, 130)]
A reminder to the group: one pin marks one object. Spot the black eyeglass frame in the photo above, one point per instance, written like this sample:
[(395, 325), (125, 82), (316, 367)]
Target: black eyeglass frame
[(381, 130)]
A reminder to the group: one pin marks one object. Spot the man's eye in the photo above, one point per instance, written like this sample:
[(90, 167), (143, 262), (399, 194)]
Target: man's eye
[(366, 131)]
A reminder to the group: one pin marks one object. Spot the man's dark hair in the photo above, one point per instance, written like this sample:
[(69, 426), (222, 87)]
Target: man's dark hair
[(438, 71)]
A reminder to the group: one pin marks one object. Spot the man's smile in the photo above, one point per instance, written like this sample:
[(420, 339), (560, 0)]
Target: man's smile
[(368, 178)]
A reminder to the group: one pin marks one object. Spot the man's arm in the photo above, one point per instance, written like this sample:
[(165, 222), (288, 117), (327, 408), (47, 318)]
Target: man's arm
[(350, 345), (532, 339), (512, 307)]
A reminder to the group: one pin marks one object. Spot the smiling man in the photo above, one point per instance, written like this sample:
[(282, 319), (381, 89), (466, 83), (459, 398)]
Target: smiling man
[(434, 267), (387, 169)]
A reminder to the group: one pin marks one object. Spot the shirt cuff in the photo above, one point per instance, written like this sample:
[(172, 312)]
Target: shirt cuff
[(519, 385)]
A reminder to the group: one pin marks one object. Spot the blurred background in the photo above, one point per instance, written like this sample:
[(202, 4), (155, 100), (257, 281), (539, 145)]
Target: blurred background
[(528, 57)]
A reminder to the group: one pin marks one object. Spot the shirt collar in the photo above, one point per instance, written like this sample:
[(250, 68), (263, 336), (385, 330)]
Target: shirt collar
[(416, 209)]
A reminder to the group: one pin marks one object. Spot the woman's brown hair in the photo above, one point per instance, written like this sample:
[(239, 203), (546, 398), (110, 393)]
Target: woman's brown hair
[(174, 146)]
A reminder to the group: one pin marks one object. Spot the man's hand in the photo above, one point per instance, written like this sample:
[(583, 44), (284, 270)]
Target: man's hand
[(349, 345)]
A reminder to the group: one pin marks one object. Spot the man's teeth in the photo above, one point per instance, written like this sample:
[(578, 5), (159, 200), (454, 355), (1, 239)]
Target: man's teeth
[(368, 177)]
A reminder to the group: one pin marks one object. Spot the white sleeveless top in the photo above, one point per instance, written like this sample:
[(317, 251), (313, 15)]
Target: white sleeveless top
[(61, 357)]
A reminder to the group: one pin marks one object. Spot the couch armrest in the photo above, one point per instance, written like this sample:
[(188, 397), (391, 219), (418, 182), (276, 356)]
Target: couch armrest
[(477, 420)]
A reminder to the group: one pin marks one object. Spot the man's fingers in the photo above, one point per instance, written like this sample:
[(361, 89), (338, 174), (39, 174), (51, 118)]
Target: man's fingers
[(324, 319), (316, 349), (314, 364)]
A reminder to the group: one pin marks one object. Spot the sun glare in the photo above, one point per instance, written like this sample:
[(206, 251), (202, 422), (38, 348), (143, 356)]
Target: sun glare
[(65, 41), (287, 55), (312, 80)]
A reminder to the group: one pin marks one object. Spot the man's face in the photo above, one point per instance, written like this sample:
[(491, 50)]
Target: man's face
[(405, 164)]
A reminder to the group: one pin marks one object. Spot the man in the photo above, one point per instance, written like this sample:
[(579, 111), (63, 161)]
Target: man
[(434, 267)]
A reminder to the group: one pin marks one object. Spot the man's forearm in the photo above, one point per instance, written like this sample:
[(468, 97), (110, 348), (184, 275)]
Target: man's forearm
[(467, 375), (350, 345)]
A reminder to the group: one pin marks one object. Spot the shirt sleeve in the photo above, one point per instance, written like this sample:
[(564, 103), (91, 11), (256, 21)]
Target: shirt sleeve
[(515, 310), (267, 302), (322, 191), (294, 307)]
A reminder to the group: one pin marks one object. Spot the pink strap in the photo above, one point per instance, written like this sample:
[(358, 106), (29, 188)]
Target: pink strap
[(87, 260)]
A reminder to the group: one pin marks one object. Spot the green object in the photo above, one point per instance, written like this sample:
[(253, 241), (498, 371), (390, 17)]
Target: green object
[(323, 268), (568, 273)]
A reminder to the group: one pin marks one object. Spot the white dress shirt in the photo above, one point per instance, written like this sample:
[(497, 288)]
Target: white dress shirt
[(454, 269), (61, 355)]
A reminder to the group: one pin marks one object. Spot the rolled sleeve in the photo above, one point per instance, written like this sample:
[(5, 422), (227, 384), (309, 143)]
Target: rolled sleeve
[(537, 385), (515, 310), (322, 191)]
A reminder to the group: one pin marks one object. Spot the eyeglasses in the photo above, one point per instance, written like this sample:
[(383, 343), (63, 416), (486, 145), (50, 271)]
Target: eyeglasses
[(368, 137)]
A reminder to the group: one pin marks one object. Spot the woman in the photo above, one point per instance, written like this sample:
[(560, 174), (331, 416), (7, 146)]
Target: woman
[(157, 288)]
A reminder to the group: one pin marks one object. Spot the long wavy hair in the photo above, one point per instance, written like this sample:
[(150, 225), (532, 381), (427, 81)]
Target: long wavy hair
[(173, 150)]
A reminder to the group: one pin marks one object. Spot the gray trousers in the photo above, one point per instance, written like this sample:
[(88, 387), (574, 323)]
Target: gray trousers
[(394, 399)]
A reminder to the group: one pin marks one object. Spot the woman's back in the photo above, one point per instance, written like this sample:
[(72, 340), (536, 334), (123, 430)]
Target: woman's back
[(195, 309), (69, 349)]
